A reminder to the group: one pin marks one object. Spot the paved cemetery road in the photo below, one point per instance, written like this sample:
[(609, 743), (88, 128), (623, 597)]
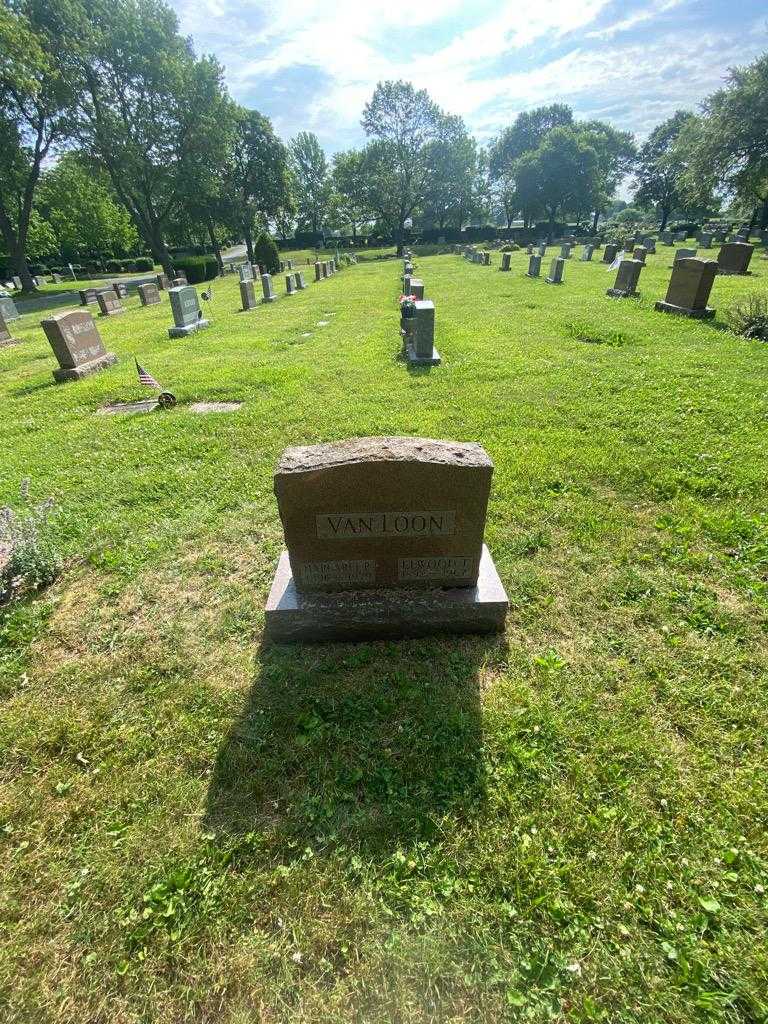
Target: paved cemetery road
[(68, 298)]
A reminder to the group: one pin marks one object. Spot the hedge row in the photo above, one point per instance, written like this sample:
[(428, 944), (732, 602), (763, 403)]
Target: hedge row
[(197, 268)]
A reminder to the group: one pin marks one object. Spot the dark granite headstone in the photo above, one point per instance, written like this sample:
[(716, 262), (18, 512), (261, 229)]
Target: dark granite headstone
[(419, 335), (627, 278), (88, 296), (77, 345), (689, 289), (639, 253), (163, 284), (734, 257), (534, 266), (318, 270), (120, 289), (384, 539), (609, 253), (301, 284), (506, 258)]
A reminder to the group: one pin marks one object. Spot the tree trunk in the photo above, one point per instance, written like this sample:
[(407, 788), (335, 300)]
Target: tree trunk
[(664, 218), (551, 226), (595, 220), (764, 215), (248, 235), (755, 216), (15, 244), (215, 245)]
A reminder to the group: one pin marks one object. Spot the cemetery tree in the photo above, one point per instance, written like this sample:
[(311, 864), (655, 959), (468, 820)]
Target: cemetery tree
[(35, 114), (527, 133), (561, 175), (452, 165), (78, 202), (257, 181), (661, 166), (401, 122), (146, 106), (616, 154), (349, 202), (734, 137), (311, 180)]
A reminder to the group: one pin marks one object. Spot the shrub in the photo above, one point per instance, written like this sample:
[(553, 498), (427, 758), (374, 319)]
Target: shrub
[(510, 247), (266, 255), (113, 266), (29, 559), (197, 268), (749, 317), (144, 263)]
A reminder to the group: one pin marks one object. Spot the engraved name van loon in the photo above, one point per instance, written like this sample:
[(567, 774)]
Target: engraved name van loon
[(386, 524)]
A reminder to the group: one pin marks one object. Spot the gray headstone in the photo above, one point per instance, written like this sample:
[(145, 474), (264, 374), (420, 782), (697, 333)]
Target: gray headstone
[(318, 270), (246, 272), (586, 253), (534, 266), (506, 258), (109, 303), (300, 282), (419, 335), (627, 277), (556, 271), (149, 294), (88, 296), (267, 289), (187, 315), (734, 257), (290, 285), (689, 289), (8, 308), (248, 295), (565, 251)]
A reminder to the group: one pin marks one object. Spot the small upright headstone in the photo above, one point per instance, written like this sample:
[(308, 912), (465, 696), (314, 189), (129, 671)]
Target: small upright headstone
[(689, 289), (246, 272), (178, 282), (248, 295), (149, 294), (680, 236), (324, 267), (109, 303), (486, 259), (734, 257), (627, 277), (556, 270), (354, 518), (318, 270), (5, 334), (267, 289), (419, 335), (705, 239), (120, 289), (543, 249), (529, 250), (417, 288), (8, 308), (163, 284), (649, 244), (683, 254), (187, 315), (666, 237), (565, 251), (534, 266), (506, 258), (609, 252), (290, 285), (586, 254), (16, 282), (639, 254), (77, 345), (88, 296), (300, 282)]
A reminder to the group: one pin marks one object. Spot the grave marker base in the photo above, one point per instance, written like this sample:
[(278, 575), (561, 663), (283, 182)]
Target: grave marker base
[(620, 293), (695, 314), (550, 280), (293, 617), (417, 360), (182, 332), (734, 273), (85, 369)]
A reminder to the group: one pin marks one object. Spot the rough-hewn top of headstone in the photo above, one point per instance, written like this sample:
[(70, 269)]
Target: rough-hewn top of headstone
[(305, 458)]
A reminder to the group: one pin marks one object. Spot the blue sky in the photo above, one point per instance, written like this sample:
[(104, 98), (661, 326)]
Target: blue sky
[(312, 65)]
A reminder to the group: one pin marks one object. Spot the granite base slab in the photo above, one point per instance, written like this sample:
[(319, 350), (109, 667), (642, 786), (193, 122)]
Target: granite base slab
[(182, 332), (414, 360), (695, 314), (550, 280), (85, 369), (292, 617), (621, 293)]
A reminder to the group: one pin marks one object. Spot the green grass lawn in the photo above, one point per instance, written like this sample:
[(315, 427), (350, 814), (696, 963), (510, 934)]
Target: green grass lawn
[(566, 823)]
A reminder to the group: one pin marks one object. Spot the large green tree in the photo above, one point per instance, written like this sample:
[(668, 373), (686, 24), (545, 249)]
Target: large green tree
[(147, 107), (452, 162), (311, 180), (616, 155), (661, 167), (733, 141), (257, 179), (401, 122), (349, 202), (35, 112), (78, 202)]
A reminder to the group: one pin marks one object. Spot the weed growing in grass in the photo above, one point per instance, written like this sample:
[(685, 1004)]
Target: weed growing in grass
[(29, 558), (579, 330), (749, 316)]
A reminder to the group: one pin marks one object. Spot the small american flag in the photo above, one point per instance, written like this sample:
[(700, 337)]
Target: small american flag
[(146, 378)]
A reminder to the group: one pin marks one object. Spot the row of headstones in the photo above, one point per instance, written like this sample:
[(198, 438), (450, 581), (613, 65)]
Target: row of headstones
[(294, 281), (417, 320)]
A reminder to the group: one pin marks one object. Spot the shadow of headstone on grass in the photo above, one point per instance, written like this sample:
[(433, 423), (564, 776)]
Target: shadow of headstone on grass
[(367, 745)]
